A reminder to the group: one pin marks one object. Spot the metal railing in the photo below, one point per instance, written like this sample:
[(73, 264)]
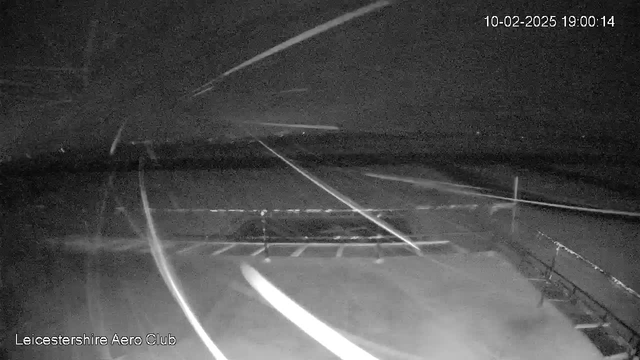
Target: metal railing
[(547, 255)]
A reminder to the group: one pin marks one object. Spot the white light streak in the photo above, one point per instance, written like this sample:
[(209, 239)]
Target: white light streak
[(319, 331), (301, 126), (540, 203), (345, 200), (299, 38), (417, 181), (168, 276), (117, 138)]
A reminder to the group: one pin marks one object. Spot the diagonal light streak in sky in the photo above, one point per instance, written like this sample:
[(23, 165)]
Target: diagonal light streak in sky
[(117, 138), (299, 38)]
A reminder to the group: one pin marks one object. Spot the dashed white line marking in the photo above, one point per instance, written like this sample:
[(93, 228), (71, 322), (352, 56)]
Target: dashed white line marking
[(259, 251), (300, 250), (220, 251), (192, 247)]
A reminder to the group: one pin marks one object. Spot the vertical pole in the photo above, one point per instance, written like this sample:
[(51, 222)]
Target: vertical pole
[(553, 263), (515, 205), (264, 235), (379, 258)]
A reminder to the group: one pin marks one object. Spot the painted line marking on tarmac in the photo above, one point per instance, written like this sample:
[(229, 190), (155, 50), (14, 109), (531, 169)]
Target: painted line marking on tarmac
[(192, 247), (300, 250), (220, 251), (259, 251)]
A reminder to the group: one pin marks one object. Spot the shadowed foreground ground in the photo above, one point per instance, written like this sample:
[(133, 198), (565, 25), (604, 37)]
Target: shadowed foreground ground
[(480, 310)]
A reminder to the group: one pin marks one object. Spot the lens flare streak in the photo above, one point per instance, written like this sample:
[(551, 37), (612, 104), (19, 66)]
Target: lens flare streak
[(168, 275), (294, 40), (430, 183), (345, 200), (319, 331)]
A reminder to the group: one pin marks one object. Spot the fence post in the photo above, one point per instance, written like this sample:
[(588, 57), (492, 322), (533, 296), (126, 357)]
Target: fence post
[(264, 235), (553, 263), (379, 258)]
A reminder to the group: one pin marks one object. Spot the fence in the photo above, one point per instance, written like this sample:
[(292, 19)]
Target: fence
[(613, 302)]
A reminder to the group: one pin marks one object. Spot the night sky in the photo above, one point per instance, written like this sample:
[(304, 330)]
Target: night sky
[(426, 65)]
